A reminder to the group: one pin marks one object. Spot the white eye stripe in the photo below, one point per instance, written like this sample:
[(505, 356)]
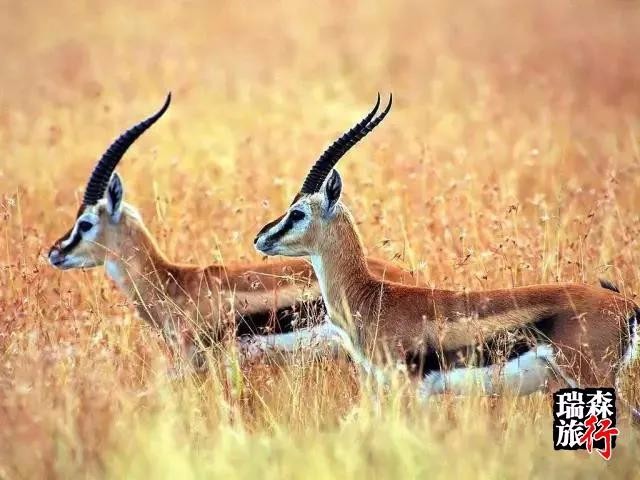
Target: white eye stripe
[(292, 225), (75, 232), (65, 243)]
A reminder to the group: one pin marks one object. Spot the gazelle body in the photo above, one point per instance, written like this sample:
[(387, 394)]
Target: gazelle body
[(192, 305), (561, 333)]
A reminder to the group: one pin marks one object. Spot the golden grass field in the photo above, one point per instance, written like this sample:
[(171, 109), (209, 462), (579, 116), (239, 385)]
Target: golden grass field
[(511, 157)]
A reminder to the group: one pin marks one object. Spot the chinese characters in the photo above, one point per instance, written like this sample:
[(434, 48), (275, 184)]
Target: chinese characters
[(585, 419)]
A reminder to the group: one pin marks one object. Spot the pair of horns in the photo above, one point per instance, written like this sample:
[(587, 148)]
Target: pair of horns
[(342, 145), (102, 172)]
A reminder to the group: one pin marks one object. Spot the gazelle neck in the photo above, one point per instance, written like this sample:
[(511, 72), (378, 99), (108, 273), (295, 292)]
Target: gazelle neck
[(341, 269), (136, 264)]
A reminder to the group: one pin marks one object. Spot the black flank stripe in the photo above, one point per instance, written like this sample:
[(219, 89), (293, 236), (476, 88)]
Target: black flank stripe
[(283, 320), (501, 348)]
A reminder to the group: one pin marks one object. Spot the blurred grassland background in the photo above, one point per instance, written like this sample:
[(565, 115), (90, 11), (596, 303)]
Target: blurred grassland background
[(511, 157)]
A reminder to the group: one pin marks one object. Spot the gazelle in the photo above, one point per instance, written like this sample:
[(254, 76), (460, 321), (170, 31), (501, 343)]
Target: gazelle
[(192, 305), (558, 333)]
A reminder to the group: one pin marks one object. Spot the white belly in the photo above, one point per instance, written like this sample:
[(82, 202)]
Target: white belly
[(522, 375)]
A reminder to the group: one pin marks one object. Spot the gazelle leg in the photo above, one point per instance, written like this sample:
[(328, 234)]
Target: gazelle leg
[(182, 352), (560, 375)]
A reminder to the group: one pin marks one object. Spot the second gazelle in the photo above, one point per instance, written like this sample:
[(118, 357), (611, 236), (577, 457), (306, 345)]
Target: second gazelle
[(548, 335)]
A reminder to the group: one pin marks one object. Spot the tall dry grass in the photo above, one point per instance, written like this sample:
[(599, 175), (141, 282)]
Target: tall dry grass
[(511, 157)]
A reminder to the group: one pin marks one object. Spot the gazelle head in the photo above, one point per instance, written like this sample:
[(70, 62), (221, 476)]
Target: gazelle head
[(103, 214), (307, 222)]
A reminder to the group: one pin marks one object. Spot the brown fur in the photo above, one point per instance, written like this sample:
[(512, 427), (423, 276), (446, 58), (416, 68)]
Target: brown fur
[(189, 302), (587, 325)]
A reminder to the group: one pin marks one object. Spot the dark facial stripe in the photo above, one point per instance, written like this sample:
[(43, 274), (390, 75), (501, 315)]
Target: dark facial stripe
[(74, 242), (267, 227), (277, 220), (288, 225)]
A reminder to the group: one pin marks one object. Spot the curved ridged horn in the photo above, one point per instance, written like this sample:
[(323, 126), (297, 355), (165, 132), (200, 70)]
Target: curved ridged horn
[(101, 174), (337, 149)]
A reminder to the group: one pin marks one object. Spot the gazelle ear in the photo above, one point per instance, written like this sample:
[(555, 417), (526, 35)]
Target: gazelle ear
[(114, 197), (331, 192)]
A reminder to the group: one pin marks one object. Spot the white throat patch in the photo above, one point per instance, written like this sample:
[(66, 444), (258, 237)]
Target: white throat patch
[(116, 273), (318, 268)]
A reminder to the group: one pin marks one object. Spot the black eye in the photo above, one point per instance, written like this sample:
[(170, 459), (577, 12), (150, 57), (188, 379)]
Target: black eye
[(85, 226), (297, 215)]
